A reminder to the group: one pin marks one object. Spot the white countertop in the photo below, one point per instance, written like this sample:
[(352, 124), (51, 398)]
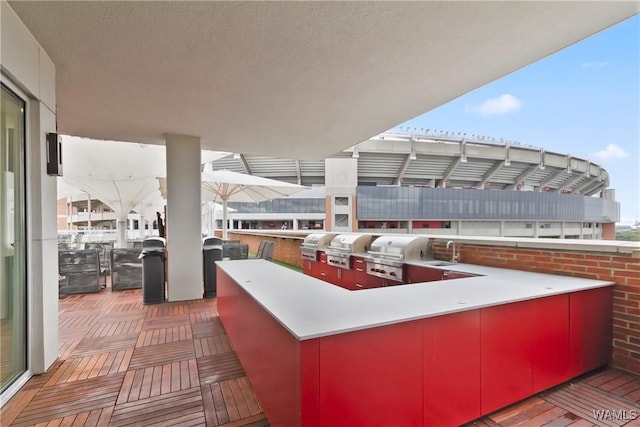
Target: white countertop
[(310, 308)]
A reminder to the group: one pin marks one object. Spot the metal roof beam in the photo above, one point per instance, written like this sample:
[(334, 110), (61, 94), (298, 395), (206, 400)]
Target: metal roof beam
[(298, 172), (588, 184), (489, 174), (569, 181), (245, 164), (521, 178), (551, 177), (447, 174), (593, 188), (402, 170)]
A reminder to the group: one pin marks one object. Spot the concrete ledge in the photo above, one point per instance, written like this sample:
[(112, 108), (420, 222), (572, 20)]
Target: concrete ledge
[(598, 246), (601, 246)]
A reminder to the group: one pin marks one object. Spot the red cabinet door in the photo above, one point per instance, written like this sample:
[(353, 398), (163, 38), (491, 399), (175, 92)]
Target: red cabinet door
[(325, 271), (451, 368), (360, 275), (590, 329), (415, 274), (374, 281), (550, 341), (506, 354), (372, 377), (347, 279)]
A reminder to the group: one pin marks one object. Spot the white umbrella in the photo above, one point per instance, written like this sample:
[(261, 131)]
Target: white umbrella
[(224, 185), (210, 212), (122, 175)]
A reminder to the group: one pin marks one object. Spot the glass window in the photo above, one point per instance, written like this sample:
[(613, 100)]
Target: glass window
[(341, 220), (13, 357), (342, 201)]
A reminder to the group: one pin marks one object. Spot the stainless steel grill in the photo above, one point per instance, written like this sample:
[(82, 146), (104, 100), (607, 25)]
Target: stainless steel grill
[(314, 242), (343, 246), (388, 255)]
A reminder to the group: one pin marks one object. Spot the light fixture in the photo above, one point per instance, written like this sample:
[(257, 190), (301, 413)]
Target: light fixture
[(507, 161), (412, 156), (355, 154), (236, 156), (542, 167)]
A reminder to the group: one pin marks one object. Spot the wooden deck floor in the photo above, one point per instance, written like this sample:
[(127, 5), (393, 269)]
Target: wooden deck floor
[(125, 363)]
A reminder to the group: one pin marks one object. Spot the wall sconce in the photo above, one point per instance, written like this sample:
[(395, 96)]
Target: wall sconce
[(54, 154)]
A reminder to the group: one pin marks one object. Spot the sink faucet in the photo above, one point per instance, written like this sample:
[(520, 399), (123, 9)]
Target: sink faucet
[(454, 254)]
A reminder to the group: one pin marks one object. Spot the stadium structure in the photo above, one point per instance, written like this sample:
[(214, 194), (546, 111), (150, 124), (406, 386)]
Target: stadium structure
[(435, 183)]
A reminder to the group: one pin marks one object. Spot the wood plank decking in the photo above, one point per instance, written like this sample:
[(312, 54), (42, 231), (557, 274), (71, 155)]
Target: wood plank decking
[(124, 363)]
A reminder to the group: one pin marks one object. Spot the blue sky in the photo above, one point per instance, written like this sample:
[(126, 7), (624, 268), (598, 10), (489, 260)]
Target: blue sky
[(583, 101)]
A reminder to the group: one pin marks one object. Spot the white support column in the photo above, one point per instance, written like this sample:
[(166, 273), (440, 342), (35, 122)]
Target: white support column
[(43, 250), (141, 230), (89, 213), (184, 241), (294, 225), (121, 227)]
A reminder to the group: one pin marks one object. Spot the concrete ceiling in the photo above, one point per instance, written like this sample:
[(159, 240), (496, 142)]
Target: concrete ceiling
[(291, 79)]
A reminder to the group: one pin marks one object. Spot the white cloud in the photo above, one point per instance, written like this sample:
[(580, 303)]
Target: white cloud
[(497, 106), (611, 152)]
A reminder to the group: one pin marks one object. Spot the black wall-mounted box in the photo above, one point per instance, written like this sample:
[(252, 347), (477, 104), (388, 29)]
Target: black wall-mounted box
[(54, 154)]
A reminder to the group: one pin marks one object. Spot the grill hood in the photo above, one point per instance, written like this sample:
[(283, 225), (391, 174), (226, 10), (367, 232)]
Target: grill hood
[(404, 248), (318, 240), (351, 243)]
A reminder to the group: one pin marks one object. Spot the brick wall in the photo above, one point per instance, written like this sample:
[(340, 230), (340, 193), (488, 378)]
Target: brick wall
[(609, 261), (286, 248), (620, 268)]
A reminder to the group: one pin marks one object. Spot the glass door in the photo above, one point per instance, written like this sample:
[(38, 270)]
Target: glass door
[(13, 285)]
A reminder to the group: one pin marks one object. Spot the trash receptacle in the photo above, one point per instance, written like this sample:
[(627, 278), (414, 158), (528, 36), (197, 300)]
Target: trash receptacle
[(211, 252), (153, 270)]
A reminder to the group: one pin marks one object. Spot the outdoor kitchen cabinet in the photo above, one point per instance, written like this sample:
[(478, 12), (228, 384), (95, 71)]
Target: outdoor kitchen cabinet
[(321, 270), (307, 267), (451, 358), (450, 353), (360, 275), (327, 272), (346, 279), (590, 345), (419, 274)]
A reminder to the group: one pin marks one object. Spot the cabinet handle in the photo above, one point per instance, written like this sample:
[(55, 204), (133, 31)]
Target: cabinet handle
[(359, 285), (359, 269), (323, 274)]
